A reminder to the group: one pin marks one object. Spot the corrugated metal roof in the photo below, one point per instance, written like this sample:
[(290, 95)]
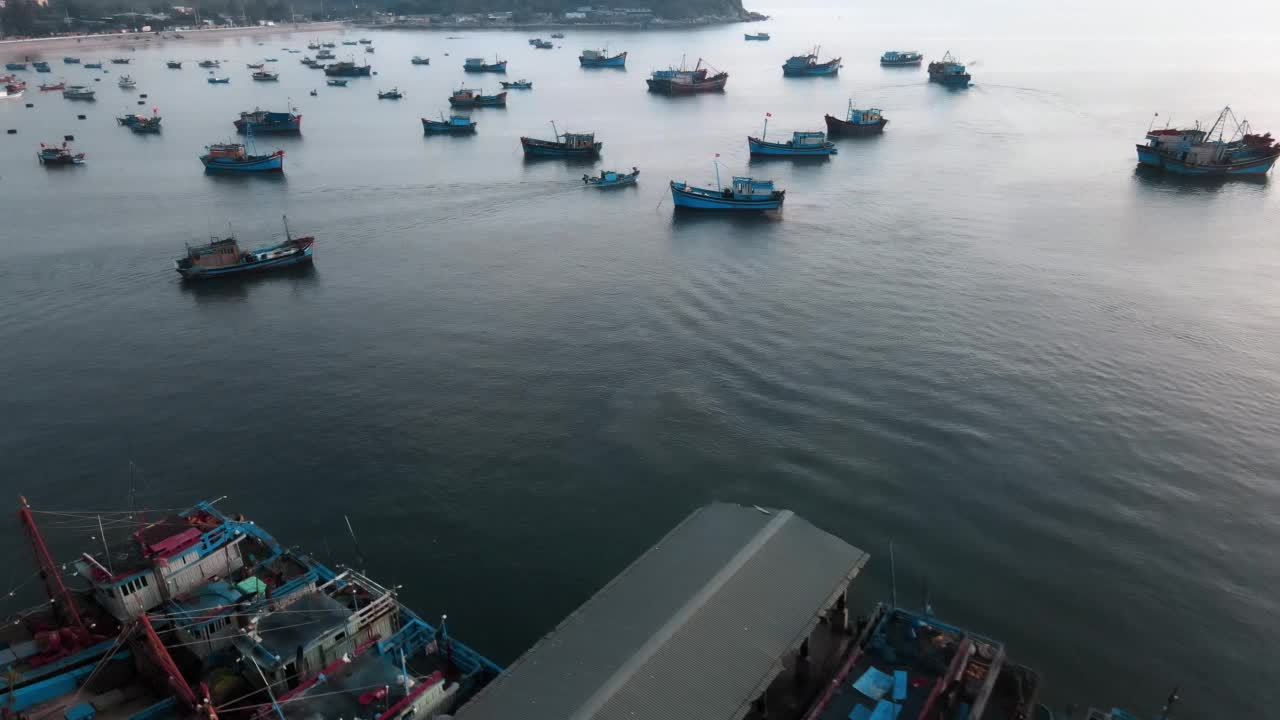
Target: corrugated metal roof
[(695, 628)]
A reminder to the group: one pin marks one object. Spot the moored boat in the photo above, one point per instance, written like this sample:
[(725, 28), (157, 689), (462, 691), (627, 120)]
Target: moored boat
[(78, 92), (60, 85), (264, 76), (856, 122), (71, 60), (222, 257), (173, 64), (564, 145), (349, 42), (126, 82), (757, 36), (12, 91), (141, 123), (325, 55), (41, 67), (744, 194), (219, 80), (544, 44), (558, 35), (348, 69), (801, 144), (209, 63), (15, 66), (479, 65), (900, 58), (460, 124), (465, 97), (1212, 152), (417, 60), (602, 58), (679, 81), (948, 71), (611, 179), (234, 158), (255, 66), (59, 155), (369, 49), (392, 94), (93, 66), (804, 65), (334, 82), (518, 85), (365, 41), (121, 61), (260, 122)]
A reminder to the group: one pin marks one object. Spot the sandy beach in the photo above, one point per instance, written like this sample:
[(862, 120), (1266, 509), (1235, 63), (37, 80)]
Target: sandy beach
[(37, 48)]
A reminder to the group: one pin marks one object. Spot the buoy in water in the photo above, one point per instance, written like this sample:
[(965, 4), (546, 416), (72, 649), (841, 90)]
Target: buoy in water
[(69, 138), (31, 104), (13, 131), (80, 117), (143, 95), (142, 102)]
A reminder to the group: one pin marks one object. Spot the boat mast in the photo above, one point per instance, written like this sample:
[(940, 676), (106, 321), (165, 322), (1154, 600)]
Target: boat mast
[(717, 164), (765, 133), (287, 234), (555, 132), (63, 604)]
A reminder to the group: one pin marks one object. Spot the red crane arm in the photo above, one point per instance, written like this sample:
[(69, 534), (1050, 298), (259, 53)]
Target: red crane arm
[(165, 660), (64, 604)]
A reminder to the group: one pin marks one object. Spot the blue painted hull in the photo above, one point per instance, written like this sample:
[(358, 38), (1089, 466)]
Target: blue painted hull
[(1258, 166), (272, 163), (241, 269), (811, 71), (614, 62), (950, 80), (760, 147), (685, 198), (432, 127)]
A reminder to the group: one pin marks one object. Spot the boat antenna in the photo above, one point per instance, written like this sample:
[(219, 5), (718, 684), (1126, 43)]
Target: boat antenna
[(555, 130), (1169, 703), (106, 551), (359, 552), (893, 576), (716, 162), (287, 235)]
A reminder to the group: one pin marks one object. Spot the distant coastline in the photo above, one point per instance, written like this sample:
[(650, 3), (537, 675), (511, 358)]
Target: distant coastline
[(621, 24), (16, 48)]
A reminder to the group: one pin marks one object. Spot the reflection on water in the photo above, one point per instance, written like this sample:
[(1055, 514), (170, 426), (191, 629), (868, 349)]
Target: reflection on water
[(240, 287), (1156, 179)]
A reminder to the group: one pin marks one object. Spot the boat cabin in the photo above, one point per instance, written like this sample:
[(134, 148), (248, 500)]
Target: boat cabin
[(745, 187), (576, 141), (870, 116), (473, 63)]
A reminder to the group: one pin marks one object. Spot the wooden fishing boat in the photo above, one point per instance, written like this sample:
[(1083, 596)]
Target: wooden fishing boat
[(457, 124), (565, 145), (365, 41), (71, 60), (126, 82), (757, 36), (611, 179), (601, 59), (334, 82), (416, 60), (12, 90), (59, 155), (518, 85), (325, 55), (219, 81), (221, 257), (93, 66), (349, 42), (78, 92), (60, 85), (465, 97), (233, 158), (41, 67), (348, 69), (1211, 153), (15, 66), (174, 64), (479, 65), (392, 94), (856, 122), (369, 49), (744, 194), (949, 72), (264, 76), (121, 61), (209, 63), (253, 66), (558, 35), (808, 65), (679, 81), (544, 44), (901, 58), (801, 144), (267, 60), (262, 122), (141, 123)]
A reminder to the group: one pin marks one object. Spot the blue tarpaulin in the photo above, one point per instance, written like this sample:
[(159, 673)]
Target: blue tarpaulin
[(873, 683)]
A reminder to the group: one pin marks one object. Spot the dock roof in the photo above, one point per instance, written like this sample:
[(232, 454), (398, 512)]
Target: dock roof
[(695, 628)]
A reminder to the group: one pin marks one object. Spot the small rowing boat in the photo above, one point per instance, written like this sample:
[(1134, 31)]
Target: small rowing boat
[(611, 179), (392, 94)]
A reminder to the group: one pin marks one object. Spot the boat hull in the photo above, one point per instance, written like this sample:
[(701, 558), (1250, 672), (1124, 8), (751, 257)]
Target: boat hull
[(842, 128), (669, 87), (435, 127), (902, 63), (363, 71), (495, 68), (194, 273), (617, 61), (950, 80), (617, 181), (289, 127), (762, 147), (1254, 166), (683, 197), (258, 164), (543, 148), (827, 68), (499, 100)]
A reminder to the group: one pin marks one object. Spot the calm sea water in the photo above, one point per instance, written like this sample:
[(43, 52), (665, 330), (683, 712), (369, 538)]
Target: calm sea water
[(1050, 379)]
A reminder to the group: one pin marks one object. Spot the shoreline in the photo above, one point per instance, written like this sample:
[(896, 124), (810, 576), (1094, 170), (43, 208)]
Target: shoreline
[(656, 24), (15, 49)]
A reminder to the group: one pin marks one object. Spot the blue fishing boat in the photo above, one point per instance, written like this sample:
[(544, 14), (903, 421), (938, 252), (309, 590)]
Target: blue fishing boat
[(209, 63), (98, 66), (805, 65), (856, 122), (418, 60), (171, 64), (757, 36), (59, 155), (71, 60), (233, 158), (141, 123), (348, 69), (602, 59), (465, 97), (260, 122), (565, 145), (78, 92), (334, 82), (456, 124), (479, 65), (744, 194), (264, 76), (1212, 152), (949, 72), (543, 44), (15, 66), (610, 179), (219, 80), (679, 81), (42, 67), (222, 257), (126, 83), (392, 94), (121, 61), (901, 58), (518, 85), (801, 144), (270, 60)]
